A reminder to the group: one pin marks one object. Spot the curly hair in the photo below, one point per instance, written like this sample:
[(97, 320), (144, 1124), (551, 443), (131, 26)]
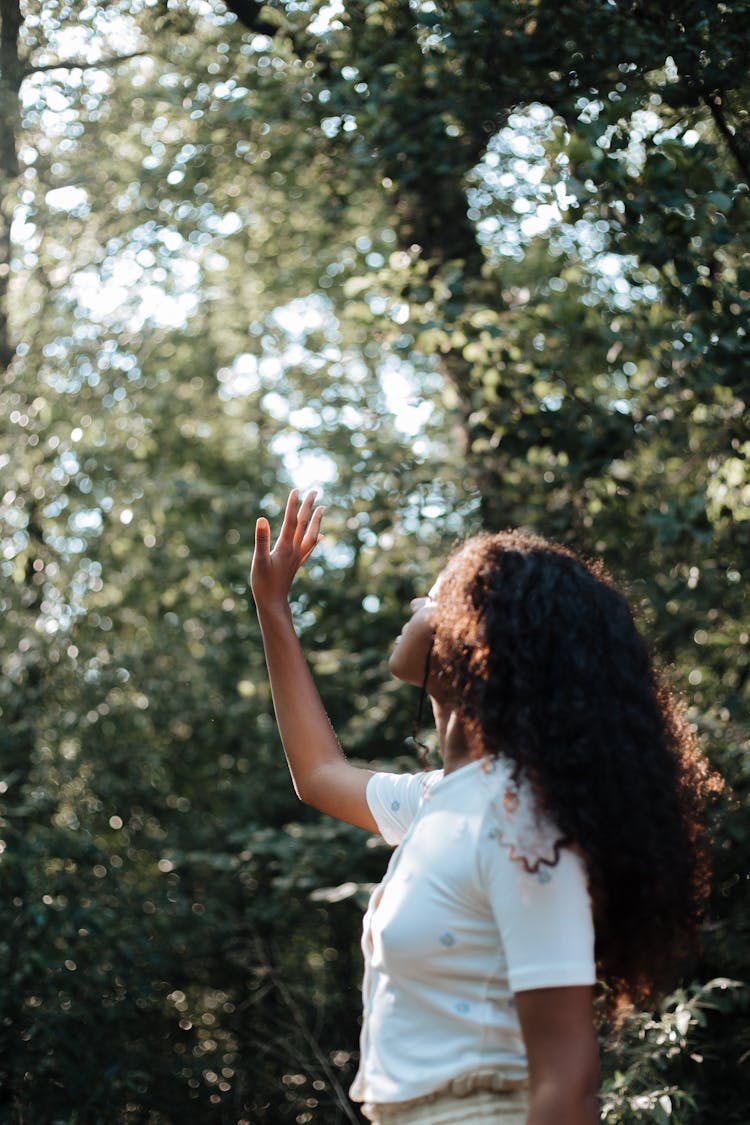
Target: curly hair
[(541, 656)]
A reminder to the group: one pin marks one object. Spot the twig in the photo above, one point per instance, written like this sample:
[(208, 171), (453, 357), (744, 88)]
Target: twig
[(312, 1043)]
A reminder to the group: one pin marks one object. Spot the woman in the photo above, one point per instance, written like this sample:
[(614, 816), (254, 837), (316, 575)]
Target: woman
[(560, 844)]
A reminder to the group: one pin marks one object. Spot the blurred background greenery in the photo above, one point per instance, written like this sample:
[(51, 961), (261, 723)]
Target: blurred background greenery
[(460, 264)]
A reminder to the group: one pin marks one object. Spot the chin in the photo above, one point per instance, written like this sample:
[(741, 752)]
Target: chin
[(396, 669)]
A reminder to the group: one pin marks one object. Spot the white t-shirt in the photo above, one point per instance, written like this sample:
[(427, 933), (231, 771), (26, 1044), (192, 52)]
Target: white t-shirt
[(457, 926)]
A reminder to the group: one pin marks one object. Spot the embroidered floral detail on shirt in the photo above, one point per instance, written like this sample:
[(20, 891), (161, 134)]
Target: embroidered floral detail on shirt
[(395, 806), (447, 939), (462, 1007), (544, 875), (527, 837), (510, 799)]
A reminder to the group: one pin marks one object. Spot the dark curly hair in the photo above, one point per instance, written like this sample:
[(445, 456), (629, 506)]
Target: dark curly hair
[(540, 655)]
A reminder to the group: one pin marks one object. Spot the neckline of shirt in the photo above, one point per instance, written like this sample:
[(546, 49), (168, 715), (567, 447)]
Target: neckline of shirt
[(468, 770)]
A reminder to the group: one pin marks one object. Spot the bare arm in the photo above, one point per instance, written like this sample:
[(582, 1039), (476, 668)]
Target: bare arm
[(561, 1044), (321, 774)]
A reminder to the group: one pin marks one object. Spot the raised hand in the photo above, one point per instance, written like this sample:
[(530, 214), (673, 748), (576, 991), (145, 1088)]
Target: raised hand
[(273, 571)]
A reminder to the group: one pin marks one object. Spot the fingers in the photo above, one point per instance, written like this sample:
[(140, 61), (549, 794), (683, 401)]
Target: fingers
[(312, 537), (301, 525), (289, 526), (303, 518)]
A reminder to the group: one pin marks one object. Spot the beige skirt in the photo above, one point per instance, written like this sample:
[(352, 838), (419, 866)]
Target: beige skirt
[(463, 1102)]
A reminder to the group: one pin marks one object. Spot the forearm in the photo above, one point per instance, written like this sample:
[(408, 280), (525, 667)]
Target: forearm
[(553, 1105), (307, 736), (558, 1030)]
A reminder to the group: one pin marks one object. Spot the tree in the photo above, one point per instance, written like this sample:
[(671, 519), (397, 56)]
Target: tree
[(232, 240)]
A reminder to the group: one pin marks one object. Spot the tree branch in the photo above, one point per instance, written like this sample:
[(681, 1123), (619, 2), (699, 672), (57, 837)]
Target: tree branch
[(713, 101), (84, 64)]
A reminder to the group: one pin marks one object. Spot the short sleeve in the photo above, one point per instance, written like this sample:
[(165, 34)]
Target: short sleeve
[(394, 799), (544, 918)]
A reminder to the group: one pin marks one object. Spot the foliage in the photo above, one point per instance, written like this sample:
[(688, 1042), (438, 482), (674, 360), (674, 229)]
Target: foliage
[(237, 244)]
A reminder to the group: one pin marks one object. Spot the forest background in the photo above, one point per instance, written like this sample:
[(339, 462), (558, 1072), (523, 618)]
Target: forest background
[(461, 265)]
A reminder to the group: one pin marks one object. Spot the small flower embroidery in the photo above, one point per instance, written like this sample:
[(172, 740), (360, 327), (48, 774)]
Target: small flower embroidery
[(494, 833), (447, 939), (510, 800), (544, 875), (462, 1007), (395, 806)]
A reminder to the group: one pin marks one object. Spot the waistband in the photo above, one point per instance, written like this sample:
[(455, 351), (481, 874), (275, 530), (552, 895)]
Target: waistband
[(487, 1080)]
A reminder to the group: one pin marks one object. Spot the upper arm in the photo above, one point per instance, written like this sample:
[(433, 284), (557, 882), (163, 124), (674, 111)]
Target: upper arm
[(559, 1033), (340, 790), (544, 919), (380, 802)]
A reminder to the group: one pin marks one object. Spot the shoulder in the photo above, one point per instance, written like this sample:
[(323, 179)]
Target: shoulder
[(395, 787)]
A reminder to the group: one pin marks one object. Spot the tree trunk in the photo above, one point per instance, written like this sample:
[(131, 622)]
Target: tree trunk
[(11, 76)]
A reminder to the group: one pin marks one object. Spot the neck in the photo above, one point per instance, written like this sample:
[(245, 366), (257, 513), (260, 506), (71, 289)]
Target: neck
[(456, 747)]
